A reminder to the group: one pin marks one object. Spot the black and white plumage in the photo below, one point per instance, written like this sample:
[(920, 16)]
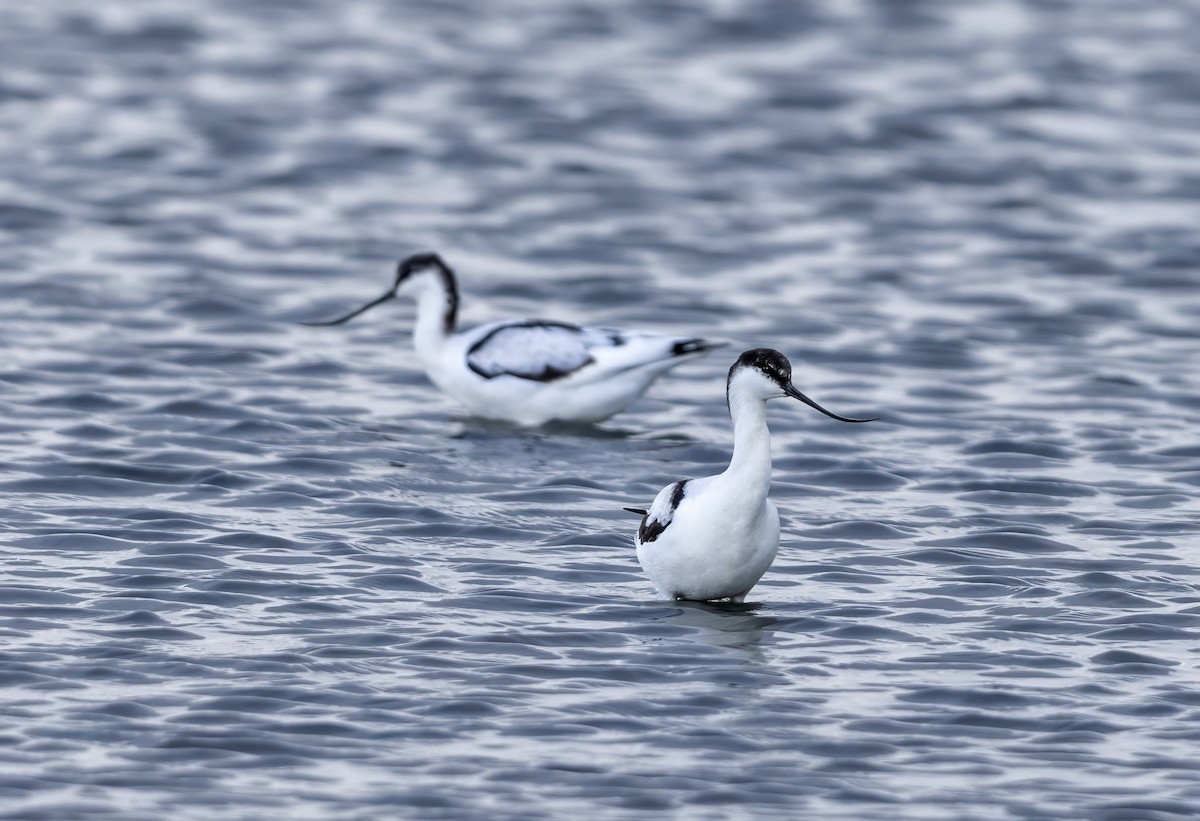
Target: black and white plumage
[(714, 538), (529, 372), (538, 349)]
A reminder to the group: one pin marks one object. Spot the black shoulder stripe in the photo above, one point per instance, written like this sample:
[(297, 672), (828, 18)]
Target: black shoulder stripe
[(546, 374), (677, 495), (651, 529)]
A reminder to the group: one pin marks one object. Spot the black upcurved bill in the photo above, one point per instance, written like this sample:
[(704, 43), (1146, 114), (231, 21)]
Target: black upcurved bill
[(352, 314), (791, 391)]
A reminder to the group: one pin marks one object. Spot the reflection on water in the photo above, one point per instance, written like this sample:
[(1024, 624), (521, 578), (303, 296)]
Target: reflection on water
[(720, 624)]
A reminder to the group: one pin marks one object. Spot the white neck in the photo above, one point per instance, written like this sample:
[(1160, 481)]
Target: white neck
[(430, 333), (750, 466)]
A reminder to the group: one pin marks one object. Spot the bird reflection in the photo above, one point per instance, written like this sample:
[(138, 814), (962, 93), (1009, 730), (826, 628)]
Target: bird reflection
[(730, 625)]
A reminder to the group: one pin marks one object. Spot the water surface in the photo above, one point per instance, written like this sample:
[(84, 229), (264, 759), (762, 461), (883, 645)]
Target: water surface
[(258, 570)]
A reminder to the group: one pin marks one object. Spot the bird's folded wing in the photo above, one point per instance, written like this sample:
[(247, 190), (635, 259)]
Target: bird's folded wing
[(539, 350)]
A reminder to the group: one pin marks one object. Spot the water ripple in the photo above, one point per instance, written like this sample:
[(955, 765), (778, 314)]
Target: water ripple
[(256, 569)]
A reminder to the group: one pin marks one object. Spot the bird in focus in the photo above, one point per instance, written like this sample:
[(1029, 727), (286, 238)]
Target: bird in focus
[(714, 538)]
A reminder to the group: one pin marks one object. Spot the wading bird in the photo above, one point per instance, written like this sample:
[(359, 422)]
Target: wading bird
[(532, 371), (714, 538)]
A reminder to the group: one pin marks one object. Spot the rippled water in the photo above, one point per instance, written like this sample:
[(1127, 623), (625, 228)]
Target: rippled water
[(257, 570)]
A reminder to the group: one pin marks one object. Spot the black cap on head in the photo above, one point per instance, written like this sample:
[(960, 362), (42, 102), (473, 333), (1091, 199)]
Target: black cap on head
[(775, 366), (406, 267), (770, 362), (418, 262)]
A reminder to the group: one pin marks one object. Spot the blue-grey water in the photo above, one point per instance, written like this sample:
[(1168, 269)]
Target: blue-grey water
[(257, 570)]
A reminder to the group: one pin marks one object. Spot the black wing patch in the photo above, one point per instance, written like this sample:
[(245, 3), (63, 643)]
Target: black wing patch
[(540, 350), (651, 529)]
